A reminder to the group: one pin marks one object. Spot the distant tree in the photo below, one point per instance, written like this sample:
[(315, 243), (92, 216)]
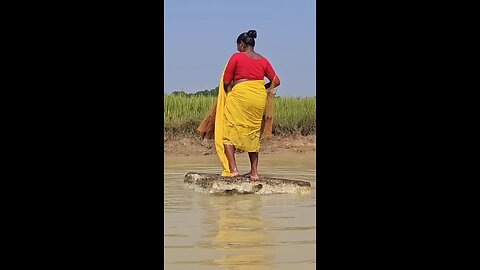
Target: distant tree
[(202, 93), (214, 91), (181, 93), (211, 92)]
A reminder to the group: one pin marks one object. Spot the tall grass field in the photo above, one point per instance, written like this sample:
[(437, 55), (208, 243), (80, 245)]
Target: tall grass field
[(182, 114)]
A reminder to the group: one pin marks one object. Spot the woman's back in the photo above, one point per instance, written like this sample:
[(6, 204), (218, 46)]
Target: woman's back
[(248, 66)]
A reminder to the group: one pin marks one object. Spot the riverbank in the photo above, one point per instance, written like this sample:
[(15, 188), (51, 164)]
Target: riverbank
[(194, 146)]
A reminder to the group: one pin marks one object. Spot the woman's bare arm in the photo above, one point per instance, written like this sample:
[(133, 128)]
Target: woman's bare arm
[(276, 82), (228, 86)]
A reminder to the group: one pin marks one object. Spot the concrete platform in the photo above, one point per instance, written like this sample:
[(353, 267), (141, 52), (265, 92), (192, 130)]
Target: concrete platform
[(216, 184)]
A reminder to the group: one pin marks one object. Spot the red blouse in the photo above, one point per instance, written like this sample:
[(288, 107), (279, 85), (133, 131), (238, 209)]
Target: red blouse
[(240, 66)]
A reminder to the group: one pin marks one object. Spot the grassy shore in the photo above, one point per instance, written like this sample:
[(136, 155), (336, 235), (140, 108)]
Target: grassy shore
[(292, 116)]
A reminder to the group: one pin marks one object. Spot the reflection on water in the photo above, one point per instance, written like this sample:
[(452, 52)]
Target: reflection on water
[(241, 231)]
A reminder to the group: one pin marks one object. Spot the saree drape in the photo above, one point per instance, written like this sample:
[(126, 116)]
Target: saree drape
[(239, 118)]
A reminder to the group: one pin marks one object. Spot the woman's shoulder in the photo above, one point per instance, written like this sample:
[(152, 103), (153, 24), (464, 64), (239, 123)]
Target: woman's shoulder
[(261, 56), (257, 57), (236, 54), (242, 55)]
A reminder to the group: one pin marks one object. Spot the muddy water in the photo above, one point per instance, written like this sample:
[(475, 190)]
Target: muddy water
[(241, 231)]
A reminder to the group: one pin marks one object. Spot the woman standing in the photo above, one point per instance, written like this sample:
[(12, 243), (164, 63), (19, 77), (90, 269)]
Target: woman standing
[(240, 106)]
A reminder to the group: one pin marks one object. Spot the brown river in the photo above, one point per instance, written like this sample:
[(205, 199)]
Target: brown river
[(238, 232)]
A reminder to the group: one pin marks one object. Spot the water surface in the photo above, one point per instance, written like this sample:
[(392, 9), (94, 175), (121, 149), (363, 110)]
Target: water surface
[(236, 232)]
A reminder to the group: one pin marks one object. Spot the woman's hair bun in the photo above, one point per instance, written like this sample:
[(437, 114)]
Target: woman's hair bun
[(252, 33)]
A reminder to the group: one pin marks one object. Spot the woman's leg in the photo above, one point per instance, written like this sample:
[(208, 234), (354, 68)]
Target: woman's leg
[(253, 164), (230, 153)]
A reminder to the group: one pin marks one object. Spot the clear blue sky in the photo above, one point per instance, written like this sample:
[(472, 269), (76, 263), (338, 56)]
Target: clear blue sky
[(200, 36)]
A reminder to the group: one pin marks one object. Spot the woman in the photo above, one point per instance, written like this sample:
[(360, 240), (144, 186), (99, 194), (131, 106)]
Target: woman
[(242, 96)]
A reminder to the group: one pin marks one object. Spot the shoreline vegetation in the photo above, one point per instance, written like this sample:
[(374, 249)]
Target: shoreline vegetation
[(294, 124)]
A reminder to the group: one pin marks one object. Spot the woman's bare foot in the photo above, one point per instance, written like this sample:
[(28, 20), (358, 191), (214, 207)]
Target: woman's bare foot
[(249, 175), (234, 174)]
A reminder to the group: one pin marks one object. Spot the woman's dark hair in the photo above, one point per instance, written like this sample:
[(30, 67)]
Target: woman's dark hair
[(248, 37)]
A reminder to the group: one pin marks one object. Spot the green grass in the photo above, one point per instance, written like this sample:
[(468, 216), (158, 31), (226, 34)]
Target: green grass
[(182, 114)]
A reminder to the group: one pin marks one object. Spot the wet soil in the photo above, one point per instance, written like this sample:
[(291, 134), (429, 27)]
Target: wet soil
[(195, 146)]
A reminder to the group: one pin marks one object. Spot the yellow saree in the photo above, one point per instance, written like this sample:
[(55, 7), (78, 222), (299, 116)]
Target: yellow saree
[(238, 118)]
